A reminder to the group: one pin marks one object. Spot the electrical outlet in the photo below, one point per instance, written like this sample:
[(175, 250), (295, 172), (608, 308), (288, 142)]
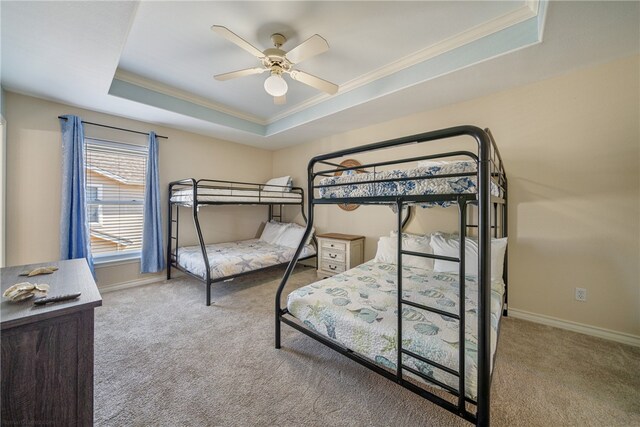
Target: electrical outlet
[(581, 294)]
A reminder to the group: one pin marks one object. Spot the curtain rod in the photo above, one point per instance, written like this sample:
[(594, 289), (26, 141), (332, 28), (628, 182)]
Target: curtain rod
[(116, 128)]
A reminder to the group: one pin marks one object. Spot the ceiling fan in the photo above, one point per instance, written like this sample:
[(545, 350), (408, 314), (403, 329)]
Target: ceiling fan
[(278, 62)]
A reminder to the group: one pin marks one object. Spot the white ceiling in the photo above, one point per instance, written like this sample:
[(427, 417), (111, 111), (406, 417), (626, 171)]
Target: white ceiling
[(154, 61), (184, 53)]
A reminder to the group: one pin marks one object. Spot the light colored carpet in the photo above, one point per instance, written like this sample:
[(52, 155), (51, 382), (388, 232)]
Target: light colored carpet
[(163, 358)]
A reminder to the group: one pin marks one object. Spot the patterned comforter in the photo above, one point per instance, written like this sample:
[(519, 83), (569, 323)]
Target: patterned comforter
[(357, 309), (226, 259), (350, 184)]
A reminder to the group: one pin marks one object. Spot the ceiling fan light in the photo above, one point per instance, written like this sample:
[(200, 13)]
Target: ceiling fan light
[(275, 85)]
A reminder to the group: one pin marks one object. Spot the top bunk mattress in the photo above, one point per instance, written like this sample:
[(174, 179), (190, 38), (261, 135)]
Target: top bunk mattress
[(357, 309), (231, 195), (351, 186), (230, 258)]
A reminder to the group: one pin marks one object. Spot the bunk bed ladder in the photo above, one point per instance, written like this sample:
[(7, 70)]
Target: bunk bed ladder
[(172, 240), (273, 214), (460, 391), (505, 232), (502, 183)]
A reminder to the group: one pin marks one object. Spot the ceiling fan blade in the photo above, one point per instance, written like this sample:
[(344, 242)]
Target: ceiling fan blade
[(233, 37), (280, 100), (314, 81), (239, 73), (314, 45)]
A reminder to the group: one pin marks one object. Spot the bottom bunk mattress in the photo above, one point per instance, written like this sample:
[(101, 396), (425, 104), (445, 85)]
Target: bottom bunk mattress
[(230, 258), (357, 309)]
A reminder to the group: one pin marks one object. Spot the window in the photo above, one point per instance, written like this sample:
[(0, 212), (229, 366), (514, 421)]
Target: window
[(94, 210), (114, 196)]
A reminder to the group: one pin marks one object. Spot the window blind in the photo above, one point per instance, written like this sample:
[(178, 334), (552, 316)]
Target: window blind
[(114, 196)]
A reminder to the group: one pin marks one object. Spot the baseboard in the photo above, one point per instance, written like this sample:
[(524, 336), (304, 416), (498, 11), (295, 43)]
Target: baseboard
[(595, 331), (131, 284)]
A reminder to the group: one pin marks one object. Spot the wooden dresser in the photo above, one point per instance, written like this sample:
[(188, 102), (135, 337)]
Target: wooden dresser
[(47, 351), (338, 252)]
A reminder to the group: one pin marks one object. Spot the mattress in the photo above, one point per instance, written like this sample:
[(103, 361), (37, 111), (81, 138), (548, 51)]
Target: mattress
[(227, 259), (348, 186), (358, 310), (185, 196)]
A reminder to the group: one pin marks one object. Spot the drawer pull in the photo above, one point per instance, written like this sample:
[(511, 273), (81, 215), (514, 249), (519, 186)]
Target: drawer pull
[(333, 256), (333, 267), (332, 245)]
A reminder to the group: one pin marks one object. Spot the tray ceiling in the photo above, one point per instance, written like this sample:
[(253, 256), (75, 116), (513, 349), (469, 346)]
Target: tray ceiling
[(155, 61)]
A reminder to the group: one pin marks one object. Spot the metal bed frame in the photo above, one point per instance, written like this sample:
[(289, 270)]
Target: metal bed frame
[(490, 169), (264, 198)]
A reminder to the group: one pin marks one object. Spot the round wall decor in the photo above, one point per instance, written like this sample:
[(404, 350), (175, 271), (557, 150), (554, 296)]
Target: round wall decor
[(348, 164)]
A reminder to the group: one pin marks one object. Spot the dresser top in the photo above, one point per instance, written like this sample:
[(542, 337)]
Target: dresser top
[(340, 236), (72, 276)]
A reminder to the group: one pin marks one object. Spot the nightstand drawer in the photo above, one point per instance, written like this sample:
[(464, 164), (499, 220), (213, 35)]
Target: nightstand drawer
[(333, 255), (332, 244), (332, 267)]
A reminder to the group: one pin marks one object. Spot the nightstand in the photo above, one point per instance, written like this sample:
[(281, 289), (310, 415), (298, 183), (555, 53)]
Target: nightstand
[(338, 252)]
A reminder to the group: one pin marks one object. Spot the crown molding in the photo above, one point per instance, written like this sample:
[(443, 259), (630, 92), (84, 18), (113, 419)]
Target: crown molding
[(145, 83), (527, 11), (503, 34)]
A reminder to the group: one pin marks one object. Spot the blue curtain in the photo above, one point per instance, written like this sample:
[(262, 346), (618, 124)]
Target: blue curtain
[(152, 250), (74, 229)]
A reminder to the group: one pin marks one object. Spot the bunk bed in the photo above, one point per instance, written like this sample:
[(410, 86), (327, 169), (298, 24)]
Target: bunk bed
[(432, 331), (212, 263)]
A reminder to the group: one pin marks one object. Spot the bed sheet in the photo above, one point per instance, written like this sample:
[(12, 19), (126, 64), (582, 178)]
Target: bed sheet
[(226, 259), (357, 309)]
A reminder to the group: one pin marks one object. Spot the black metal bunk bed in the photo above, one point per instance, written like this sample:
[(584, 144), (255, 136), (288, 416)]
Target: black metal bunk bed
[(490, 171), (193, 194)]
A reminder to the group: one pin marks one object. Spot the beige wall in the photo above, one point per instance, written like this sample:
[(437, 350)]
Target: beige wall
[(34, 180), (571, 149)]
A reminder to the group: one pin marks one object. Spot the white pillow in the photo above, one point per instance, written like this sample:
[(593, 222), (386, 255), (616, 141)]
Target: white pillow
[(388, 252), (415, 243), (272, 231), (291, 236), (444, 246), (282, 183)]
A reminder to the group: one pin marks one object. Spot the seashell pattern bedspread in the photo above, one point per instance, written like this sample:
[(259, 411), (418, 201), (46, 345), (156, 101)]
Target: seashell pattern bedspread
[(226, 259), (350, 185), (358, 309)]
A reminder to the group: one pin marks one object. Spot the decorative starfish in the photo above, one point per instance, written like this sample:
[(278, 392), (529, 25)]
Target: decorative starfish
[(245, 264)]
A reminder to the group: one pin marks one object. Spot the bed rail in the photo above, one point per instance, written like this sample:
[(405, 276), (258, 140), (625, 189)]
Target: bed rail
[(236, 191), (497, 176), (489, 169)]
